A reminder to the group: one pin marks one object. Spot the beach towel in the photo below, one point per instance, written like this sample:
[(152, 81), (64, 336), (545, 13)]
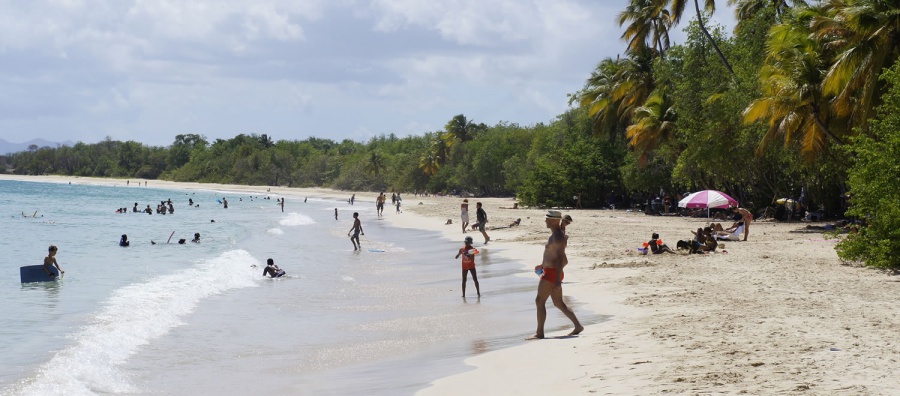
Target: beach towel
[(737, 235)]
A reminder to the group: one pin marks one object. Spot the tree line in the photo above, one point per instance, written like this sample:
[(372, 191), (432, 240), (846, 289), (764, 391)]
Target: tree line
[(794, 103)]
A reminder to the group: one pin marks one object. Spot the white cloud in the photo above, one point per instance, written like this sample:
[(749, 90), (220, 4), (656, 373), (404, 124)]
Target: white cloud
[(148, 70)]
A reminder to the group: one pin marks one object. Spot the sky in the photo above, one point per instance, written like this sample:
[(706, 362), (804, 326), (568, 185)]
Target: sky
[(147, 71)]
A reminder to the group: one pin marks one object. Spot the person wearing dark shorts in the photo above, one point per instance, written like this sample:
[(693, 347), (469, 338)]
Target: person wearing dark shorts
[(272, 270), (481, 216)]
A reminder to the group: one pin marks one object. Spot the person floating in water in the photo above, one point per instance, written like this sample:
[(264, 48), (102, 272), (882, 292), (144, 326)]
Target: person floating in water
[(356, 230), (124, 241), (50, 260), (468, 264), (196, 238), (272, 270)]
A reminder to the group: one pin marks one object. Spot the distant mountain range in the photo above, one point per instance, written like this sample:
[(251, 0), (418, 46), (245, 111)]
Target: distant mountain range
[(8, 147)]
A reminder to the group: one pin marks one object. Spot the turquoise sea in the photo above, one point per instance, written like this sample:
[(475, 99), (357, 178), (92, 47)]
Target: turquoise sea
[(168, 318)]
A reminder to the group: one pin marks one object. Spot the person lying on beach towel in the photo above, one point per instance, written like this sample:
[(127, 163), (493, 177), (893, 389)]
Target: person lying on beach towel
[(736, 235)]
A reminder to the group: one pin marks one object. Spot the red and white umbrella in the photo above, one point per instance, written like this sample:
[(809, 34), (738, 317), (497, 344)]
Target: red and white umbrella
[(707, 199)]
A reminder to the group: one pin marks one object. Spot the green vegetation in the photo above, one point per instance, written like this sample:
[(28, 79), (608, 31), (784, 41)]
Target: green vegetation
[(784, 106)]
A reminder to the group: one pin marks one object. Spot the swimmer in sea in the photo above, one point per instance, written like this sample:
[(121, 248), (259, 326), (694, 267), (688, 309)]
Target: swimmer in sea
[(272, 270), (124, 241), (356, 230), (50, 260)]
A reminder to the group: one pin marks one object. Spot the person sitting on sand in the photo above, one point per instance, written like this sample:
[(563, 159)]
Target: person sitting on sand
[(272, 270), (657, 247)]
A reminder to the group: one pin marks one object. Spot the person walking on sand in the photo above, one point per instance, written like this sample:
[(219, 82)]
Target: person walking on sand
[(481, 216), (356, 230), (746, 218), (468, 264), (464, 214), (551, 270), (50, 260)]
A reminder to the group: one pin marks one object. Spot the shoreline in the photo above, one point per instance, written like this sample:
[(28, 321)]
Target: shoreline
[(777, 314)]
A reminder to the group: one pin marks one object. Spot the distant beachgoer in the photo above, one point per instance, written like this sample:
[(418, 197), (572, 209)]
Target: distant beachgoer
[(398, 206), (657, 247), (356, 230), (148, 210), (304, 199), (127, 182), (550, 285), (50, 260), (282, 204), (225, 202), (123, 242), (135, 209), (464, 214), (196, 238), (481, 216), (182, 241), (468, 265), (190, 201), (352, 199), (335, 213), (746, 218), (171, 208), (272, 270)]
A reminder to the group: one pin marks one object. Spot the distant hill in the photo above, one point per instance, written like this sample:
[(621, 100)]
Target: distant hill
[(8, 147)]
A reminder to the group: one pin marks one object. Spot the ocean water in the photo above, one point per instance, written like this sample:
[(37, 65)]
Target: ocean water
[(168, 318)]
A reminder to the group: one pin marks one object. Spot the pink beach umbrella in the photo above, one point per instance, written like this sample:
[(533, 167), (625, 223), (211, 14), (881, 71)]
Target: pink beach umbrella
[(707, 199)]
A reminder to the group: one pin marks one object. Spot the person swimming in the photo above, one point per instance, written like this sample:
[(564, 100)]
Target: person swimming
[(196, 238), (123, 242), (272, 269)]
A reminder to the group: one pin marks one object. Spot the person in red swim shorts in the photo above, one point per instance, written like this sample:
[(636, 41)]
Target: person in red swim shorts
[(550, 285), (468, 264)]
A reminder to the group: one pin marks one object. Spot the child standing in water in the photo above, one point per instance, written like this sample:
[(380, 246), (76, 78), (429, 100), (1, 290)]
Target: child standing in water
[(51, 260), (468, 264)]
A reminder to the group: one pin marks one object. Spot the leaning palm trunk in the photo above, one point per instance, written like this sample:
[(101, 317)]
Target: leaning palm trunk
[(709, 37)]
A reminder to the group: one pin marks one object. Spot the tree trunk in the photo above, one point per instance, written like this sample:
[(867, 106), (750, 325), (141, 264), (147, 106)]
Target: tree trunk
[(708, 36)]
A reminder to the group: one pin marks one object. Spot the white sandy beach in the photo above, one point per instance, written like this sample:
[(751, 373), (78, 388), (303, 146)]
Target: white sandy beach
[(779, 314)]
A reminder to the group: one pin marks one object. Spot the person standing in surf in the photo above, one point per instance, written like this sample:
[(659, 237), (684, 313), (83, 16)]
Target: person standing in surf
[(356, 230), (50, 260), (468, 264), (282, 204), (551, 268)]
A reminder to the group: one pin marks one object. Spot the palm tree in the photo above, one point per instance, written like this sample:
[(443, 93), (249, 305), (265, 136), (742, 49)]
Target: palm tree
[(459, 129), (865, 34), (649, 24), (375, 164), (654, 124), (746, 9), (677, 10), (792, 102), (429, 163), (616, 88)]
